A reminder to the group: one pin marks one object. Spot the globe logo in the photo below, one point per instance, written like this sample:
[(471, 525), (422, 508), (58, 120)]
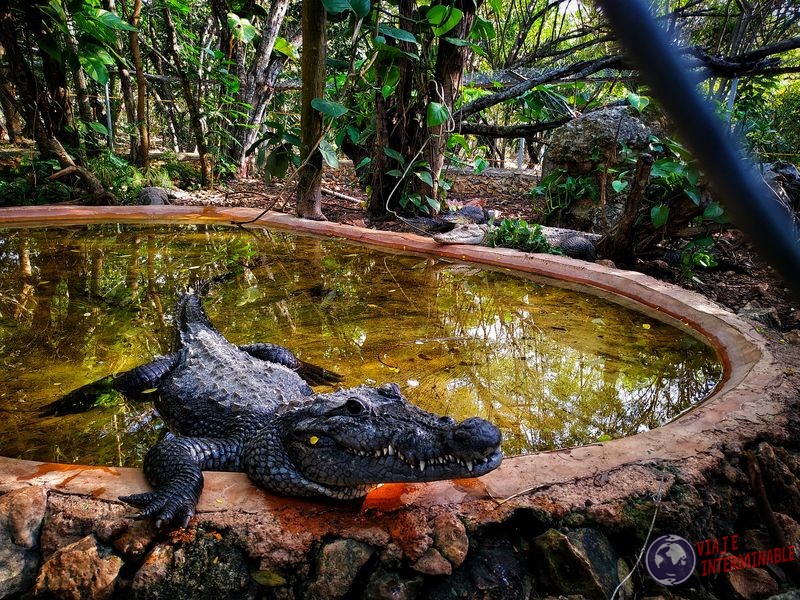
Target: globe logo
[(670, 560)]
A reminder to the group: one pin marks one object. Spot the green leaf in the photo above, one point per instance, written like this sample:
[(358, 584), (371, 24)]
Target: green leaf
[(433, 203), (241, 29), (398, 34), (437, 114), (395, 155), (482, 29), (693, 194), (713, 211), (363, 162), (329, 154), (425, 177), (659, 215), (286, 48), (443, 18), (327, 108), (638, 102), (112, 21), (497, 6), (619, 185), (335, 7), (94, 60), (394, 173), (98, 127), (360, 7)]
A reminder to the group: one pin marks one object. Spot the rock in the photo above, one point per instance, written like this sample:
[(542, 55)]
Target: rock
[(202, 566), (580, 562), (134, 542), (577, 150), (765, 316), (791, 529), (450, 538), (433, 563), (21, 514), (385, 585), (154, 196), (784, 179), (412, 533), (493, 570), (790, 595), (593, 138), (83, 570), (337, 567), (750, 584), (71, 518)]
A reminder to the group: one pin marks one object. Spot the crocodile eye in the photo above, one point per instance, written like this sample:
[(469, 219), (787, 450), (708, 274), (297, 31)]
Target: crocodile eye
[(354, 407)]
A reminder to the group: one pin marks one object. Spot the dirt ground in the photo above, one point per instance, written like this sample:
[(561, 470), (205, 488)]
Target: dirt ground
[(742, 282)]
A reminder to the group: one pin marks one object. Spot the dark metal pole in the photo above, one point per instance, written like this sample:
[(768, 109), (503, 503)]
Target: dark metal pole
[(738, 185)]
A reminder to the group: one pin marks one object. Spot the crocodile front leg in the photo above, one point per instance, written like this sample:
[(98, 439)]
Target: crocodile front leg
[(312, 374), (174, 468)]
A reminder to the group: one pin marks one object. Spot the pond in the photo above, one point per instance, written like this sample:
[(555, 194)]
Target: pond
[(550, 366)]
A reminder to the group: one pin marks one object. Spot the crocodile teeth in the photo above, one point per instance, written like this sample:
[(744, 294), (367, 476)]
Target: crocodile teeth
[(390, 450), (422, 465), (469, 465)]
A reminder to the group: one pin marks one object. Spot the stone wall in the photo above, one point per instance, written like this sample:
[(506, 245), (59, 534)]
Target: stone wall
[(569, 522)]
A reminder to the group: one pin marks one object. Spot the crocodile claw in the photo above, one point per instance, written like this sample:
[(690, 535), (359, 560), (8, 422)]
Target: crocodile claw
[(165, 507)]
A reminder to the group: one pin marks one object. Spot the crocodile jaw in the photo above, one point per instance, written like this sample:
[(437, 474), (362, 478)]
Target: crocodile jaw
[(339, 445)]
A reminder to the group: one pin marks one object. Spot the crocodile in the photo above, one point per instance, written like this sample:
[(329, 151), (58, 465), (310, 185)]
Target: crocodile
[(249, 408), (575, 244)]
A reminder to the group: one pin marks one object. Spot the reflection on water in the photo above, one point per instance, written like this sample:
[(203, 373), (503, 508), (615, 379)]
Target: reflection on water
[(551, 367)]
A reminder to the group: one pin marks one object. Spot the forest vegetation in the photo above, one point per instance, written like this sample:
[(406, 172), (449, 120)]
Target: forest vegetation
[(107, 95)]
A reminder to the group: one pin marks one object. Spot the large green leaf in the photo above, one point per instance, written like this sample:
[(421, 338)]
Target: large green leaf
[(335, 7), (482, 29), (395, 155), (437, 114), (360, 7), (443, 18), (398, 34), (286, 48), (659, 215), (94, 60), (241, 29), (328, 108), (329, 154), (638, 102), (112, 21), (425, 177)]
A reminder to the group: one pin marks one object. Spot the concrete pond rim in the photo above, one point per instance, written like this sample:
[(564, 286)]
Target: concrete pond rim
[(749, 401)]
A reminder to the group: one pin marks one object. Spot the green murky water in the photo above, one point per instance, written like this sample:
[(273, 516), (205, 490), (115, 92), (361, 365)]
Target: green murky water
[(551, 367)]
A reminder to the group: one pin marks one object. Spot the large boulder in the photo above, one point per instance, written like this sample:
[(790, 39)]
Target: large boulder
[(579, 152), (593, 139), (21, 515)]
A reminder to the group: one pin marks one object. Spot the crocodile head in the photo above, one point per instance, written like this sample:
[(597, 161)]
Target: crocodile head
[(343, 443)]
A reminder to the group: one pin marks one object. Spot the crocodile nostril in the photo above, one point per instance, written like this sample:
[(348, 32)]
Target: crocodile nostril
[(477, 433)]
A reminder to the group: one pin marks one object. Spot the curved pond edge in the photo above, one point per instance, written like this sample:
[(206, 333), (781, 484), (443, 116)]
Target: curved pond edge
[(754, 401)]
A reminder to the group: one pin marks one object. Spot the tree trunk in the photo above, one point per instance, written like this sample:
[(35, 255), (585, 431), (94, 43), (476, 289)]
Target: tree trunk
[(10, 112), (125, 86), (37, 108), (445, 87), (394, 128), (143, 154), (190, 99), (257, 86), (312, 67), (620, 240)]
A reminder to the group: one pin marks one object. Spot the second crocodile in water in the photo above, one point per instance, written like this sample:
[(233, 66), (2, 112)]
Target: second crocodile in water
[(247, 408)]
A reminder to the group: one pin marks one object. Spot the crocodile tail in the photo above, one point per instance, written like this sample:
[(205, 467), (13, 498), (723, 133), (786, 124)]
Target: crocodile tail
[(190, 311)]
